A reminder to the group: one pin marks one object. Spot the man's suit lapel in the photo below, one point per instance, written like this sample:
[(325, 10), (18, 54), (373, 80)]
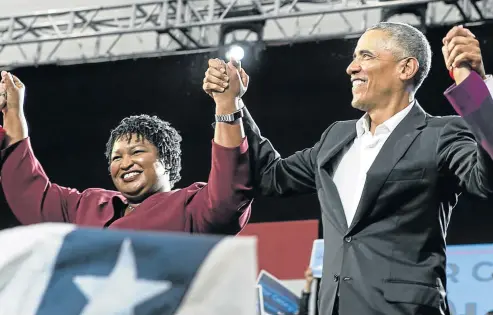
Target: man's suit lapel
[(391, 152), (343, 135)]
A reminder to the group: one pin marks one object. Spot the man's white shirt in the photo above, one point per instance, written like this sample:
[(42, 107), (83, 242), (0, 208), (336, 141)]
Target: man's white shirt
[(350, 174)]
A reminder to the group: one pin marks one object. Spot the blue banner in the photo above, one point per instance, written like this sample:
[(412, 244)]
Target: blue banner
[(470, 279)]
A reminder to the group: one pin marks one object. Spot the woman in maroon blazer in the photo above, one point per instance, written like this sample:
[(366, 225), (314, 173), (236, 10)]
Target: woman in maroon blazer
[(144, 159)]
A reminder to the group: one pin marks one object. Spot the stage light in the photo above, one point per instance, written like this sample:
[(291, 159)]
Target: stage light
[(235, 51), (418, 11), (242, 40)]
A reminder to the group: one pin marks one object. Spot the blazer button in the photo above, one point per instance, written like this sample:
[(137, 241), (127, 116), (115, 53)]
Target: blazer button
[(336, 278), (348, 239)]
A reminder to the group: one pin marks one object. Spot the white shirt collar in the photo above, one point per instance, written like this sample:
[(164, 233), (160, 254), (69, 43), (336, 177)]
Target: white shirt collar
[(363, 124)]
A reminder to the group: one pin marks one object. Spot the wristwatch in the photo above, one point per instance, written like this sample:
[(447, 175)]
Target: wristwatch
[(230, 118)]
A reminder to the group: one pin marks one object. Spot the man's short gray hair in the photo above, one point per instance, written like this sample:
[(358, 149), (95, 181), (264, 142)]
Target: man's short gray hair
[(413, 43)]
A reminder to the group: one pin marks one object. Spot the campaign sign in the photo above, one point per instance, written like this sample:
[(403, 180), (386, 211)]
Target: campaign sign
[(317, 258), (260, 301), (470, 279), (278, 299)]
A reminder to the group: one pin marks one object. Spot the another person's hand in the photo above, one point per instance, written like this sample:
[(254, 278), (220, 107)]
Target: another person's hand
[(462, 53), (308, 279), (224, 82), (11, 93)]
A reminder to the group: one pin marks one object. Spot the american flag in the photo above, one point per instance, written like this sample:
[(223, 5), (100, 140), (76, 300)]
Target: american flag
[(55, 268)]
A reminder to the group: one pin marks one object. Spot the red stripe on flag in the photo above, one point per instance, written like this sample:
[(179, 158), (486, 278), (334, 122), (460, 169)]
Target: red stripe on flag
[(284, 248)]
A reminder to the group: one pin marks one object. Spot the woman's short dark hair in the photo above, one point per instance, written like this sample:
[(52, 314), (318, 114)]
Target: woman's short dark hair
[(158, 132)]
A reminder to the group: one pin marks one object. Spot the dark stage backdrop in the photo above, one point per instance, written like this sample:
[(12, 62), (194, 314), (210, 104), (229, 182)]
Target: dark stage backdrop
[(296, 92)]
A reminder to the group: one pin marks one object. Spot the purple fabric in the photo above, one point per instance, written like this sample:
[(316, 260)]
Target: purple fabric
[(2, 136), (472, 100), (468, 96)]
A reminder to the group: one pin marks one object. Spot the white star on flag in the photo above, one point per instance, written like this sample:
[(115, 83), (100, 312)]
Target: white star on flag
[(120, 291)]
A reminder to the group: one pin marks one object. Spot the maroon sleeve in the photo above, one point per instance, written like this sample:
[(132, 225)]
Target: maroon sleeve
[(2, 136), (469, 95), (472, 100), (29, 192), (458, 151), (223, 205)]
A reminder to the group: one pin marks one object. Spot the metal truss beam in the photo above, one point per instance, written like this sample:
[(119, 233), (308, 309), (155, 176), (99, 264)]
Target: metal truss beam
[(159, 28)]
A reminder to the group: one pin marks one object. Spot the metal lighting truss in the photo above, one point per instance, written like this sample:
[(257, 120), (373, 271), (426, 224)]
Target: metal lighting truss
[(170, 27)]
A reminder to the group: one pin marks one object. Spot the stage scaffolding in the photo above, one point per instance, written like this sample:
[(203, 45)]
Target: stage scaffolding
[(160, 28)]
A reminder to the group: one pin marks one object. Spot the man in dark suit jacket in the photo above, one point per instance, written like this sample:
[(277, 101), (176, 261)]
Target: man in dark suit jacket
[(388, 182)]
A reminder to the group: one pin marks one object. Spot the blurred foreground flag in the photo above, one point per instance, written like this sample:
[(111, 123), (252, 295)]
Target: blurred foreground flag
[(63, 269)]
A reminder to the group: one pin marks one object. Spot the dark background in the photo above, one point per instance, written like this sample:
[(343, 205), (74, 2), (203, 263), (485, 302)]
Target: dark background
[(296, 91)]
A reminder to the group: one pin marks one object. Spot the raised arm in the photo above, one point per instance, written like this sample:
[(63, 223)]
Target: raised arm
[(459, 152), (28, 191), (461, 158), (277, 176), (270, 174), (223, 205)]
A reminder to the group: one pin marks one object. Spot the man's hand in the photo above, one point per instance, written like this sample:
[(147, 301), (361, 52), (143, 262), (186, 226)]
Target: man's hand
[(225, 82), (461, 50), (11, 93)]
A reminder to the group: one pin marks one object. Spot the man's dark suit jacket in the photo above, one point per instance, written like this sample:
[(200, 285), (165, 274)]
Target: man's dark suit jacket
[(391, 260)]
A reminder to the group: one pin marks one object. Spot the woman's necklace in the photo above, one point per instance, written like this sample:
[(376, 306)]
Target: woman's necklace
[(129, 210)]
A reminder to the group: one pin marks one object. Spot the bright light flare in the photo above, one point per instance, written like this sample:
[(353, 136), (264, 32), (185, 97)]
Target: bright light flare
[(236, 52)]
